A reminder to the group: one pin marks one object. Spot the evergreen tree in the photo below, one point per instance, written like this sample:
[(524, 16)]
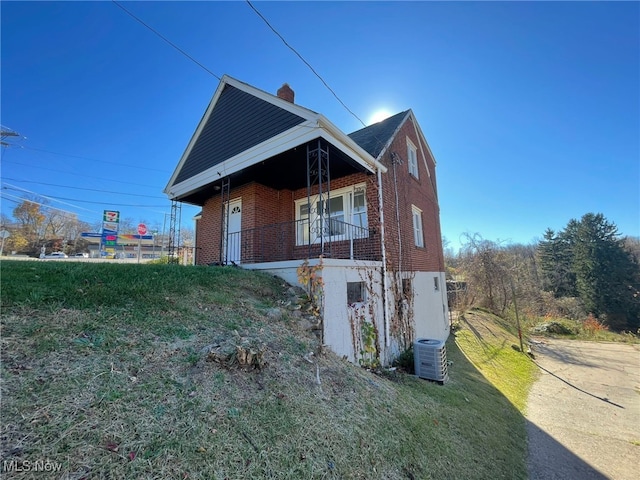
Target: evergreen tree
[(605, 272), (555, 259), (588, 259)]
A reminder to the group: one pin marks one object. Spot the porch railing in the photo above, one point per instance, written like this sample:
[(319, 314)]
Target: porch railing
[(302, 239)]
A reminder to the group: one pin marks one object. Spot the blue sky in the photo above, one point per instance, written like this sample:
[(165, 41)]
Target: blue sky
[(532, 110)]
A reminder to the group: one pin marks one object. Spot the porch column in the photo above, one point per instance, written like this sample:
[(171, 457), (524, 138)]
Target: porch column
[(318, 174)]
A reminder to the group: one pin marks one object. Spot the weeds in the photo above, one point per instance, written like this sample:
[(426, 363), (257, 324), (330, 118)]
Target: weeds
[(113, 383)]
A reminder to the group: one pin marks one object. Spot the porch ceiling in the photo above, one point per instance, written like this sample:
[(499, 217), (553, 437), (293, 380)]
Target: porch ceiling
[(287, 170)]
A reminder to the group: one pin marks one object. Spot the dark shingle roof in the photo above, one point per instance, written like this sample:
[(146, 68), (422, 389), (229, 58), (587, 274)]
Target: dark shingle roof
[(374, 137), (238, 122)]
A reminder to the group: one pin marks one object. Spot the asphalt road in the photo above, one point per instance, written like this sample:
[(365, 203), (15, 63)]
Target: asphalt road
[(583, 414)]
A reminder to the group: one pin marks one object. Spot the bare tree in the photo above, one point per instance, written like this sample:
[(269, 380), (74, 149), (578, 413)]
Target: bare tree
[(484, 269), (187, 236)]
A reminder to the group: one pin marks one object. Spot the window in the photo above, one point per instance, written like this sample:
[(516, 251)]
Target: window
[(359, 211), (417, 226), (436, 283), (355, 292), (343, 217), (412, 156)]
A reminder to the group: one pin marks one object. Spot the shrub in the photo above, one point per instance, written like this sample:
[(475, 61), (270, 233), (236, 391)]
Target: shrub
[(592, 325), (405, 361), (553, 327)]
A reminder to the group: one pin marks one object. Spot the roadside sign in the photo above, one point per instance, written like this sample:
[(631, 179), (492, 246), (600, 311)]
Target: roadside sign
[(110, 226), (111, 216), (109, 238), (142, 229)]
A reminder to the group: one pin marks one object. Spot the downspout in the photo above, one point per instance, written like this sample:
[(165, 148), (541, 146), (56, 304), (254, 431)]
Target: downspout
[(394, 156), (385, 286)]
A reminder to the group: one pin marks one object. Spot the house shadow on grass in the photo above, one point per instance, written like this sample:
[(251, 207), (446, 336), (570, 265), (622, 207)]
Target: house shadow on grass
[(546, 457)]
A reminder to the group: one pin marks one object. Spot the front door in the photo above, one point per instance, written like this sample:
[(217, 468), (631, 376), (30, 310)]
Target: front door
[(232, 227)]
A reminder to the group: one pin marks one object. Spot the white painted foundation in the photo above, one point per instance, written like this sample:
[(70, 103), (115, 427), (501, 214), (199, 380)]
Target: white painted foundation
[(343, 322)]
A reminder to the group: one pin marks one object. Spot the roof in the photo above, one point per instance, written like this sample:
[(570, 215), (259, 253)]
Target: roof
[(243, 127), (374, 138), (239, 121)]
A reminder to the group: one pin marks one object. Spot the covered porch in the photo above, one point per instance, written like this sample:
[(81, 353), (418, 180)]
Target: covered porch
[(309, 201)]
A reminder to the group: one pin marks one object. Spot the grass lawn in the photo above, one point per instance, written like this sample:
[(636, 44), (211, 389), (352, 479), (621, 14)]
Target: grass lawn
[(105, 372)]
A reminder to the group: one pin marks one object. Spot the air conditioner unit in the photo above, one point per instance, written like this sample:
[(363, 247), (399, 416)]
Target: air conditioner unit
[(430, 359)]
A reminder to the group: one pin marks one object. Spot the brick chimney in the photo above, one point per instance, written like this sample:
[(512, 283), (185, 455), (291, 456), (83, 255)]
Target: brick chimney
[(285, 93)]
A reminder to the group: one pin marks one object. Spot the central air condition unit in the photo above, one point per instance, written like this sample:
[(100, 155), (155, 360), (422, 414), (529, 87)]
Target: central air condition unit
[(430, 359)]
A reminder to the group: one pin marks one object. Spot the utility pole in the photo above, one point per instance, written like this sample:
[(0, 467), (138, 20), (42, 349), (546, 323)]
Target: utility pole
[(6, 133)]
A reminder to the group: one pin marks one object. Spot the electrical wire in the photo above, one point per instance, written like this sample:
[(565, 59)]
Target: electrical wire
[(60, 199), (8, 186), (5, 194), (305, 62), (81, 175), (166, 40), (86, 189), (90, 159), (313, 70)]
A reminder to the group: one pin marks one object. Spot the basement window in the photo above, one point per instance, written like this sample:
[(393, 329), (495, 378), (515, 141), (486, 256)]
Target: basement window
[(356, 292)]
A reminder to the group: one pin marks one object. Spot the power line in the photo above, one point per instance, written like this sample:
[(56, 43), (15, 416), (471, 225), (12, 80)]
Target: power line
[(91, 159), (272, 29), (305, 62), (14, 187), (81, 175), (5, 194), (60, 199), (167, 40), (80, 188)]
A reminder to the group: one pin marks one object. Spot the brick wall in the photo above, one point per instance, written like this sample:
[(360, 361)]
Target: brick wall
[(402, 252), (263, 206)]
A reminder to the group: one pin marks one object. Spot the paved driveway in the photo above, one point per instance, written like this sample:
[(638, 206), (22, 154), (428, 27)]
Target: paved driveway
[(584, 412)]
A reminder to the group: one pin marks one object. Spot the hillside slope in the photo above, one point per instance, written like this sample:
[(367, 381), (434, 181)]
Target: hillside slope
[(134, 371)]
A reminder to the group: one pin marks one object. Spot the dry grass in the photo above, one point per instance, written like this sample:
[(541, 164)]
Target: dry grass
[(104, 370)]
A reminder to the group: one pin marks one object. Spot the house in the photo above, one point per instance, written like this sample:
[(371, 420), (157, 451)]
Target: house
[(283, 190)]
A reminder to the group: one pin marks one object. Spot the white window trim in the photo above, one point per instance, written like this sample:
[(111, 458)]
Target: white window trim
[(418, 231), (347, 193), (412, 165)]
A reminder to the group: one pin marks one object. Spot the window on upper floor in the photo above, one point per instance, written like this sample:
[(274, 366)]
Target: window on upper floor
[(412, 158), (343, 217), (418, 236)]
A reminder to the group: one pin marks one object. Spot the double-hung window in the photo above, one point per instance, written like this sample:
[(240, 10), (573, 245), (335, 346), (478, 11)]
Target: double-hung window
[(343, 217), (412, 158), (418, 236)]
